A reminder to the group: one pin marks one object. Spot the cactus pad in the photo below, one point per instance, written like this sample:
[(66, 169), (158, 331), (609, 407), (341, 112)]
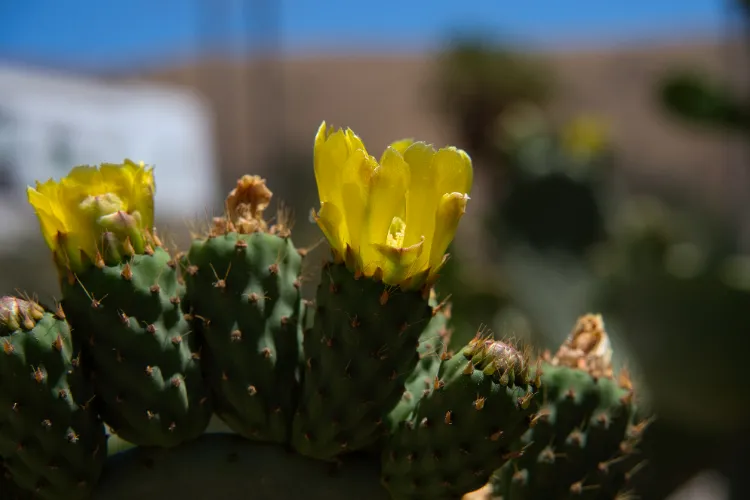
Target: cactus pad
[(583, 444), (51, 441), (143, 356), (482, 401), (243, 284), (362, 347)]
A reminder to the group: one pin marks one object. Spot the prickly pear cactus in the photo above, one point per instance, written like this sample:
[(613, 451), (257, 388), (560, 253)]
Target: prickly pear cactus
[(123, 295), (389, 224), (482, 400), (243, 282), (167, 340), (583, 443), (51, 440)]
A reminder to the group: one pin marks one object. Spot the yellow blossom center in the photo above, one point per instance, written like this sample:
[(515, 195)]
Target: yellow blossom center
[(396, 233), (101, 204)]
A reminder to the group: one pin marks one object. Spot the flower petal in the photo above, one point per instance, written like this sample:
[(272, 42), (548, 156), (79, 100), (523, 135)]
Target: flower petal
[(401, 146), (50, 223), (331, 222), (421, 201), (453, 171), (388, 187), (355, 191), (451, 208)]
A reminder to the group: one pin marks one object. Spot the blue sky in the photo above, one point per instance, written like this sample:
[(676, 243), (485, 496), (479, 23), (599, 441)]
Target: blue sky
[(93, 34)]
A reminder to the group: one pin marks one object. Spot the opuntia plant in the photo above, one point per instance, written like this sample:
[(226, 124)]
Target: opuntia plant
[(150, 344)]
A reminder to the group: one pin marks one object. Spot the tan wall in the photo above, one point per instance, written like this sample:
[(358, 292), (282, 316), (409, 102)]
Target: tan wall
[(385, 97)]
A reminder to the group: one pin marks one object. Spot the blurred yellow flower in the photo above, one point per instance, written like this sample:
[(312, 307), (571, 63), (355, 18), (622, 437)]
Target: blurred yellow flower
[(77, 212), (584, 137), (394, 218)]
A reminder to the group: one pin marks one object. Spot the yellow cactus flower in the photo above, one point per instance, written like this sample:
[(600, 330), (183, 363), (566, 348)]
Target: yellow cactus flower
[(93, 207), (393, 218), (584, 137)]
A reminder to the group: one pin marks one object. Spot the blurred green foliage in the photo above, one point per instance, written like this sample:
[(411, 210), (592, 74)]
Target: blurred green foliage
[(478, 81), (696, 98), (669, 275), (550, 195)]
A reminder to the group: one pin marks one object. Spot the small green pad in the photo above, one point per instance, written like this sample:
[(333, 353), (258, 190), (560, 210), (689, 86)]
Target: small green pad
[(362, 348), (143, 355), (481, 402), (583, 445), (433, 346), (51, 440), (244, 291)]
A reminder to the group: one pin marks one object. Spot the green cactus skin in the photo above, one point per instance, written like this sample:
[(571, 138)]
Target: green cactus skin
[(230, 467), (583, 443), (143, 357), (482, 401), (362, 347), (51, 440), (433, 346), (245, 289), (9, 490)]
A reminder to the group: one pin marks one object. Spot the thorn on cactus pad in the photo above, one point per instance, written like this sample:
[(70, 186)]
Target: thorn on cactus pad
[(221, 283), (38, 375), (479, 403)]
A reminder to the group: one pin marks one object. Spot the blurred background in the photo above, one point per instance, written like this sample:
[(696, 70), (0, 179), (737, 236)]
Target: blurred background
[(611, 144)]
